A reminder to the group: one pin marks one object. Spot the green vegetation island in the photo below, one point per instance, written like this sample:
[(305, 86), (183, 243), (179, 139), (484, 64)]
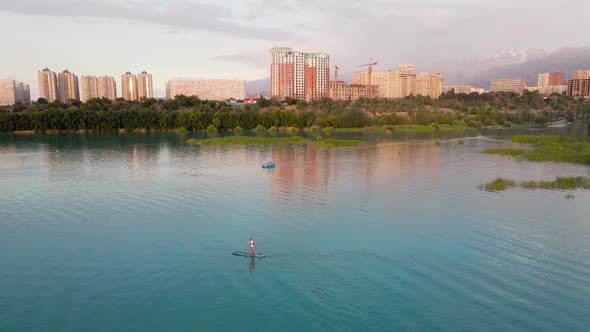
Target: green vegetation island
[(545, 148), (560, 183), (548, 148), (450, 111)]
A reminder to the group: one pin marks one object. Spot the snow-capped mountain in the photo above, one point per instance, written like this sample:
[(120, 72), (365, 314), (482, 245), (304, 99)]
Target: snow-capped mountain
[(513, 63)]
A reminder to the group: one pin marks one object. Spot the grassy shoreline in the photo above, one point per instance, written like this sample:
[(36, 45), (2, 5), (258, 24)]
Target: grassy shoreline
[(418, 128), (256, 140), (404, 128), (247, 140)]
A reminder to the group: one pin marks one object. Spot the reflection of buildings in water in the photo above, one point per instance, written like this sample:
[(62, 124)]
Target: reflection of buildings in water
[(307, 174), (140, 156), (58, 161), (303, 175), (9, 159), (403, 159)]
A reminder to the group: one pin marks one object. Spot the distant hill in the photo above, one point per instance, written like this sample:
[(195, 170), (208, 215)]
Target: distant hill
[(527, 64), (480, 72), (258, 87)]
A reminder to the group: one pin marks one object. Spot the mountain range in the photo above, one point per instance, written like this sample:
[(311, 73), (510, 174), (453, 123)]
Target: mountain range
[(479, 72)]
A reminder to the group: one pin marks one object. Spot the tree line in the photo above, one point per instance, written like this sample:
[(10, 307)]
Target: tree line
[(191, 113)]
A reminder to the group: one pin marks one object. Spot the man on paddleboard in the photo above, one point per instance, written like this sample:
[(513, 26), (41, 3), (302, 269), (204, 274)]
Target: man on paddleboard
[(251, 243)]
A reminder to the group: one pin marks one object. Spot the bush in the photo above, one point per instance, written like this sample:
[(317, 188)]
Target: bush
[(328, 131), (211, 129), (474, 124), (260, 129), (182, 130), (435, 125), (498, 184), (238, 130), (461, 141), (273, 130)]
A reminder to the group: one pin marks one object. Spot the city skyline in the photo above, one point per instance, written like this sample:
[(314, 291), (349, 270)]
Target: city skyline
[(234, 37)]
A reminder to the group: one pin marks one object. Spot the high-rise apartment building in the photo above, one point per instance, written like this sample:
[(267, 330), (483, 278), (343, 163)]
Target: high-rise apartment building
[(556, 79), (129, 86), (379, 84), (88, 88), (67, 86), (404, 81), (581, 74), (47, 84), (98, 87), (107, 87), (206, 89), (12, 92), (543, 81), (549, 82), (145, 89), (429, 84), (382, 79), (578, 87), (395, 83), (299, 75), (517, 85)]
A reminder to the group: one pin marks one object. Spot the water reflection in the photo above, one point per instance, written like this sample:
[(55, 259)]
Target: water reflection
[(252, 264), (305, 176)]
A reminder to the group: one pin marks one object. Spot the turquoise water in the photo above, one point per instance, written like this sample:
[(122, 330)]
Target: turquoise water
[(135, 232)]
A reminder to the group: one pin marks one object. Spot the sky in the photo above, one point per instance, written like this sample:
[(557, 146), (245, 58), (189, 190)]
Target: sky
[(232, 39)]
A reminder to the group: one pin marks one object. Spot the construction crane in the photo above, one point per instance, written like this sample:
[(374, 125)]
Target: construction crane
[(336, 73), (370, 85)]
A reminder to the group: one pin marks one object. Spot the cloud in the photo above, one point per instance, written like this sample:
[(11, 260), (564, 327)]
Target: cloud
[(179, 14), (261, 58)]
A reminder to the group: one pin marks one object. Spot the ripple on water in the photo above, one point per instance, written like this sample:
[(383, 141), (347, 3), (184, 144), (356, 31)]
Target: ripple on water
[(129, 233)]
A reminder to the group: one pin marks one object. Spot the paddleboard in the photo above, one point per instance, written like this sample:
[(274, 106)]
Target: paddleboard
[(243, 253)]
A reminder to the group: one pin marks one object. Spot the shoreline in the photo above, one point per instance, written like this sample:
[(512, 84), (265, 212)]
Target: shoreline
[(373, 129), (404, 128)]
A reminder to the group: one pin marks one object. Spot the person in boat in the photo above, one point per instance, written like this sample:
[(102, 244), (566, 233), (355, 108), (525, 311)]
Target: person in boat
[(251, 243)]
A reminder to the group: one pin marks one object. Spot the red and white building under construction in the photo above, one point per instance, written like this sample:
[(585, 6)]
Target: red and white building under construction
[(299, 75)]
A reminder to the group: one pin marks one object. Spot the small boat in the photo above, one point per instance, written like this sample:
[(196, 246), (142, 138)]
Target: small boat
[(243, 253), (268, 165)]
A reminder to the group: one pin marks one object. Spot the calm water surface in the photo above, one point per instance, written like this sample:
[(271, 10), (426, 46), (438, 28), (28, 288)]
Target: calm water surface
[(135, 232)]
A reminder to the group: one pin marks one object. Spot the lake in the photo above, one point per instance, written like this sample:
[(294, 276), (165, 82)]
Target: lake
[(134, 232)]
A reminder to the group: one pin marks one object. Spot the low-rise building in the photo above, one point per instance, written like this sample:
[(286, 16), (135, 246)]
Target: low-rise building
[(517, 85), (457, 89), (339, 90), (578, 87), (206, 88), (559, 89)]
